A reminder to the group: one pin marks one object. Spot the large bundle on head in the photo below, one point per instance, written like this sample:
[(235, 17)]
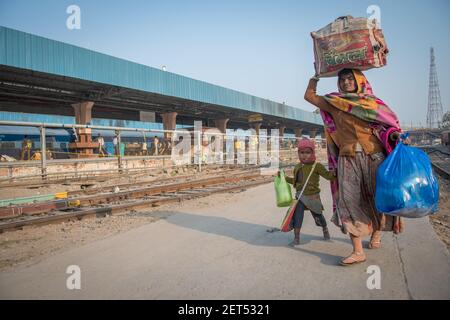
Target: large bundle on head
[(356, 43)]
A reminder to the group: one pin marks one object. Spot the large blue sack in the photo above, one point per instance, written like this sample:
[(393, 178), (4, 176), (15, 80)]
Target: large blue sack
[(406, 185)]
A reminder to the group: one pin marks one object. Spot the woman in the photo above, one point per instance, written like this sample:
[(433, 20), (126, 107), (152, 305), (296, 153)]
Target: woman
[(360, 131)]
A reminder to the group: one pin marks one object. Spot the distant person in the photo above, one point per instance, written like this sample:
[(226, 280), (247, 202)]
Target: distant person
[(237, 148), (27, 145), (73, 135), (36, 156), (215, 150), (116, 144), (310, 199), (101, 145), (206, 149), (144, 148), (179, 141), (253, 142), (155, 145)]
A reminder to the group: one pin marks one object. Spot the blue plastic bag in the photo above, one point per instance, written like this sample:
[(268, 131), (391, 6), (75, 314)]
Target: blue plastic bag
[(406, 185)]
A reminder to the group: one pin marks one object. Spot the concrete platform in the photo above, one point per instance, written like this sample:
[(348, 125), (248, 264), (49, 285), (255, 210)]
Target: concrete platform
[(218, 248)]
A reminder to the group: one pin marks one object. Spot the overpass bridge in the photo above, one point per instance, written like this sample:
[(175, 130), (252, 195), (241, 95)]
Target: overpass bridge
[(44, 76)]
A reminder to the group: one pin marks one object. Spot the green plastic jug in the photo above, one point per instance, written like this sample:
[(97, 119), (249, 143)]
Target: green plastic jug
[(282, 191)]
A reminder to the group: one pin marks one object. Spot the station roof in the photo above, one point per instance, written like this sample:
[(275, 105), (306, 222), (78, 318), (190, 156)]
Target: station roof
[(41, 68)]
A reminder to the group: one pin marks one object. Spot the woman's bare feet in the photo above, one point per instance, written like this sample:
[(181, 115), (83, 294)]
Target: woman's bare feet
[(375, 240), (354, 258)]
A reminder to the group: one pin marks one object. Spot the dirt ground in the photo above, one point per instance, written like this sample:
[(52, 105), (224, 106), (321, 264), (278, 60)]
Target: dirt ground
[(33, 244), (17, 192), (441, 220)]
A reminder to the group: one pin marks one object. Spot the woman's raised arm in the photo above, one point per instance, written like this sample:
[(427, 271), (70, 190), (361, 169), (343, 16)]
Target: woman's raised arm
[(313, 98)]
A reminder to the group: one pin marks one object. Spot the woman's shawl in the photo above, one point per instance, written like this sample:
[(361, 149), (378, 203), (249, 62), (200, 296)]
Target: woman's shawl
[(366, 106)]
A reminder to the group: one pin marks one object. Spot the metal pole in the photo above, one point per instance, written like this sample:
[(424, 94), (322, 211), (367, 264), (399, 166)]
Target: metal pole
[(43, 154), (200, 152), (71, 126), (60, 125), (119, 158)]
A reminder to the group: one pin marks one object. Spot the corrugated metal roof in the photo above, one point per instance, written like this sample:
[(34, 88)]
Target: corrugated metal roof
[(50, 118), (27, 51)]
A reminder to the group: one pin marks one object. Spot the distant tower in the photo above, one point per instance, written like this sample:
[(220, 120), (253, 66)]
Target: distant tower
[(435, 112)]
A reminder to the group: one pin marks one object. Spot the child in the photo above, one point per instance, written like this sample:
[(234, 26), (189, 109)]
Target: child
[(310, 199)]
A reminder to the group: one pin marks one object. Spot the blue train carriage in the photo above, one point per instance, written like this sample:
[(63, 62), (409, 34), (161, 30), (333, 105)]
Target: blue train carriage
[(57, 142), (134, 143), (12, 139)]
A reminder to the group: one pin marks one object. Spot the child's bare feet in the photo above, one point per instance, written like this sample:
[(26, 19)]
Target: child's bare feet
[(295, 242), (326, 233)]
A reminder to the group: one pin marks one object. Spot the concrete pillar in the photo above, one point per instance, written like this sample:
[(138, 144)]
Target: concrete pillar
[(221, 124), (281, 131), (169, 123), (256, 126), (83, 112), (84, 147), (298, 133), (313, 133)]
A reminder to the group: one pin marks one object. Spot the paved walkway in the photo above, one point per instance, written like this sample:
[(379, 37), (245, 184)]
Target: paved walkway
[(221, 250)]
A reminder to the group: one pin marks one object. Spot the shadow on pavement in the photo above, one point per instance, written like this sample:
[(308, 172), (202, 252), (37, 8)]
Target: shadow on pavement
[(253, 234)]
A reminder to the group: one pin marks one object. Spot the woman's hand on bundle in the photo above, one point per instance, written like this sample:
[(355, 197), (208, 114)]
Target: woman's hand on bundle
[(407, 140), (395, 136), (316, 77)]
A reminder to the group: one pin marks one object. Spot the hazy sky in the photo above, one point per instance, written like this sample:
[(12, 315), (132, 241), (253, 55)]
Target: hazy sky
[(259, 47)]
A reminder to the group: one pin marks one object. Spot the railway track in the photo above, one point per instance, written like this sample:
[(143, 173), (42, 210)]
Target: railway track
[(440, 160), (85, 177), (93, 176), (133, 196), (164, 181)]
